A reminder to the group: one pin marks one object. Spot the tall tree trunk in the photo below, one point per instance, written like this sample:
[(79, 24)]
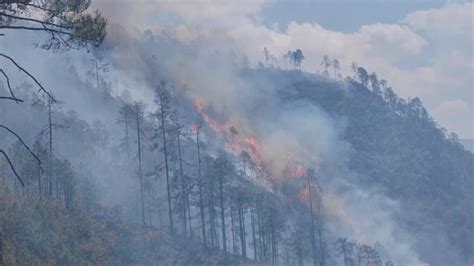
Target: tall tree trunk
[(242, 231), (126, 134), (97, 74), (212, 216), (313, 237), (273, 242), (189, 213), (221, 188), (254, 241), (40, 173), (201, 204), (183, 183), (50, 165), (140, 174), (165, 152), (261, 233), (320, 231), (234, 245)]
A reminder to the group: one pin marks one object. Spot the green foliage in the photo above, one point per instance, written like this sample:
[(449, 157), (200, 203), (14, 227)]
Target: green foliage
[(68, 22), (397, 146), (44, 233)]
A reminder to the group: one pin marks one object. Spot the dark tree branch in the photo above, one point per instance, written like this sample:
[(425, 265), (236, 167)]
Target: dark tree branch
[(24, 145), (35, 21), (10, 98), (29, 75), (54, 32), (13, 97), (12, 167), (10, 27), (64, 41)]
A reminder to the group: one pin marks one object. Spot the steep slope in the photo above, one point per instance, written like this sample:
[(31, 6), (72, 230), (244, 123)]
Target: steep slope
[(378, 143), (396, 146), (36, 232)]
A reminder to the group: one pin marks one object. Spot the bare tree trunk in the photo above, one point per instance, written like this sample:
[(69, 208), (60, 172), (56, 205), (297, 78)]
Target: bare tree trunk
[(261, 235), (313, 237), (253, 235), (201, 206), (189, 213), (273, 243), (39, 182), (165, 152), (242, 231), (221, 188), (183, 183), (212, 216), (97, 74), (140, 164), (320, 231), (50, 165), (126, 134), (233, 230)]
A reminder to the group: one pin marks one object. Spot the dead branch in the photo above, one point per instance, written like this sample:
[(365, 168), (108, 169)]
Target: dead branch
[(24, 145), (12, 167), (13, 97), (29, 75), (10, 27), (10, 98), (34, 20)]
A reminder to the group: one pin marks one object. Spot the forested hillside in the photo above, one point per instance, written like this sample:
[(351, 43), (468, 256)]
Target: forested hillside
[(383, 134), (396, 145), (157, 152)]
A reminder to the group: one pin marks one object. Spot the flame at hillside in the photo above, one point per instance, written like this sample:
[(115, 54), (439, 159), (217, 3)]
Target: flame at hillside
[(235, 141), (239, 139), (298, 171)]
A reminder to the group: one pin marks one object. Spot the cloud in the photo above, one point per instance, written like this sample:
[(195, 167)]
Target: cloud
[(452, 109), (449, 20), (427, 54)]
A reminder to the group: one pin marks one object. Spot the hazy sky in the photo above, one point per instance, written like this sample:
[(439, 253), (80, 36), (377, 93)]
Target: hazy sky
[(450, 104), (423, 48), (342, 15)]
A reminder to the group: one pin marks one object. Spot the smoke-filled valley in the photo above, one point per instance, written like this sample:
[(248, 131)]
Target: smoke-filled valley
[(133, 142)]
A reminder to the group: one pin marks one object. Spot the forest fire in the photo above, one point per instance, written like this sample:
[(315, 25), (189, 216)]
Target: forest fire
[(241, 140), (298, 171), (235, 141)]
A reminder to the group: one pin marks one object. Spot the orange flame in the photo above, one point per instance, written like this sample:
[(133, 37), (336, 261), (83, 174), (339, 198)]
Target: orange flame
[(298, 171), (235, 142)]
